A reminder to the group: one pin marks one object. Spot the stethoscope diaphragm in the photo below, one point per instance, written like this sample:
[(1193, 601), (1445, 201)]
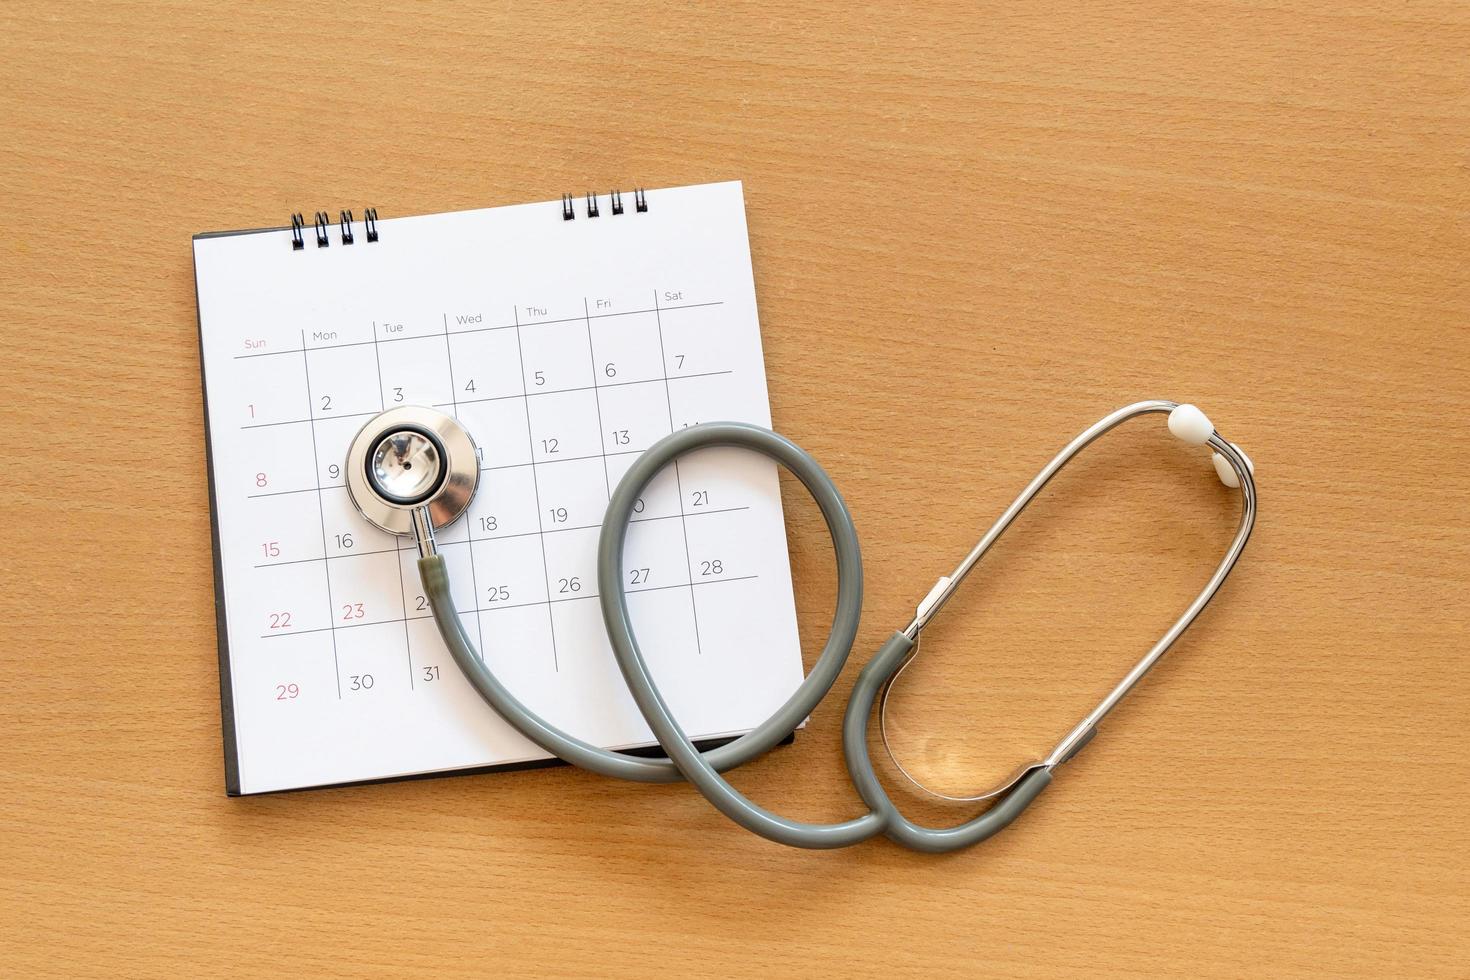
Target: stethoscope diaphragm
[(412, 458)]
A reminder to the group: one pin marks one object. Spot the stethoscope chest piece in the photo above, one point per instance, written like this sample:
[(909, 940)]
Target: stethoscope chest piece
[(412, 459)]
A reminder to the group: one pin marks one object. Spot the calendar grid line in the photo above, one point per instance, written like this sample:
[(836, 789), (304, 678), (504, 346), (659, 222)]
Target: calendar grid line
[(402, 588), (554, 462), (286, 493), (406, 619), (454, 405), (494, 537), (430, 336), (536, 488), (664, 379), (314, 418), (496, 398), (483, 469), (678, 480), (597, 399), (321, 511)]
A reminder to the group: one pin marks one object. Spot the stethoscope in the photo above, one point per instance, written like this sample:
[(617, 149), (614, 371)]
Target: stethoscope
[(414, 470)]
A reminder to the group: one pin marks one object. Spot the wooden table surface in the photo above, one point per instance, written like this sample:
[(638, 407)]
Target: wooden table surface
[(975, 230)]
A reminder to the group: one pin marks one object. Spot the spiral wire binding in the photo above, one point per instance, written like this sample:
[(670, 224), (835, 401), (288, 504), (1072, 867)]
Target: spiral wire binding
[(323, 221), (594, 210)]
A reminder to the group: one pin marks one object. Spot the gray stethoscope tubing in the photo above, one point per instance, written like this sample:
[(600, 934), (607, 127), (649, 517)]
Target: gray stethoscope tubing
[(703, 768)]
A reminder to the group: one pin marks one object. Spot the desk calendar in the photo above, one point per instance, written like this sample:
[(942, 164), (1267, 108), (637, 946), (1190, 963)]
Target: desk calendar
[(567, 336)]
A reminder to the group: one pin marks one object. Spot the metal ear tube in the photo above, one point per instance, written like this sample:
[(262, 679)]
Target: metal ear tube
[(1191, 426)]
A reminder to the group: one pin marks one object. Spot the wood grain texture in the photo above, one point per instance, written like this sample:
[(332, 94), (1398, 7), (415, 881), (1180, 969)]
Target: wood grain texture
[(975, 230)]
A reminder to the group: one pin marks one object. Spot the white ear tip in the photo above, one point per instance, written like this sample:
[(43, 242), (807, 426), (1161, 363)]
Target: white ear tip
[(1226, 472), (1191, 425)]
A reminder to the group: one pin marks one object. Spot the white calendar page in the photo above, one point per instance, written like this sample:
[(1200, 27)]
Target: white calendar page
[(565, 347)]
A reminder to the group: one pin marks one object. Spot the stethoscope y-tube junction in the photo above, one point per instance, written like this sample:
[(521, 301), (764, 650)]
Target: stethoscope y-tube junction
[(703, 769)]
